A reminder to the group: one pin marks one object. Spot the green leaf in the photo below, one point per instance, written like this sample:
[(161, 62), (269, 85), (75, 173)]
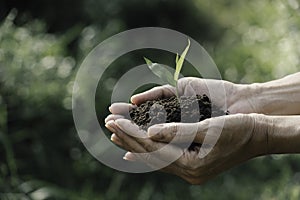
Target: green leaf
[(179, 62), (161, 71), (177, 57)]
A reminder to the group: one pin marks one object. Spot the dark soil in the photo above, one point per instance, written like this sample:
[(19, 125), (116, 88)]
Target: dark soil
[(189, 110)]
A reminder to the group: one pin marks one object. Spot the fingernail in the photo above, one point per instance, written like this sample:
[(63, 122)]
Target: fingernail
[(129, 156), (113, 138), (110, 125), (133, 99), (154, 130)]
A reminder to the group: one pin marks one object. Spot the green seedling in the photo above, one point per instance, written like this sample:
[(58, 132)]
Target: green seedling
[(164, 74)]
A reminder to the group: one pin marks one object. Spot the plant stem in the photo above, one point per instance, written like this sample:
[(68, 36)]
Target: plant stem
[(177, 92)]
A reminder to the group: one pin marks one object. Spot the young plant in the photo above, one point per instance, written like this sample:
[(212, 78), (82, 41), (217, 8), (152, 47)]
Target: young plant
[(164, 74)]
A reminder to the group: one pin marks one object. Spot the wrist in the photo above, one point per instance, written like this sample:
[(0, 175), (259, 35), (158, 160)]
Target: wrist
[(285, 137), (245, 95), (267, 97), (279, 97), (255, 91), (263, 128), (272, 98)]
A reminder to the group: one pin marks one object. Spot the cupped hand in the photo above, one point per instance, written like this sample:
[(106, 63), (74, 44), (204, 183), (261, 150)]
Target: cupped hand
[(234, 137), (236, 98), (240, 138)]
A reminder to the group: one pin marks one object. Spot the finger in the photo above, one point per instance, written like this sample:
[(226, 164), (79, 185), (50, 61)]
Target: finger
[(178, 167), (166, 152), (110, 126), (129, 156), (178, 132), (130, 141), (131, 128), (154, 93), (154, 163), (159, 161), (124, 140), (147, 158), (115, 139), (172, 168), (121, 108), (113, 117)]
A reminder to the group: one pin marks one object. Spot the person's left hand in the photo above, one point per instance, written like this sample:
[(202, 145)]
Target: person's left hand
[(243, 136)]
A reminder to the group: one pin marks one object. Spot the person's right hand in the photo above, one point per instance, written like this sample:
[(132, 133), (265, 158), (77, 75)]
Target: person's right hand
[(238, 98)]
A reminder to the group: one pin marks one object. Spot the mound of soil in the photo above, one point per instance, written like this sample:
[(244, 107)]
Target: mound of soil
[(188, 110)]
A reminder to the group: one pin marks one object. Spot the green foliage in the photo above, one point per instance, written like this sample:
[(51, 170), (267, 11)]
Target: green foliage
[(34, 91), (180, 60), (41, 156), (261, 40), (164, 74), (161, 71)]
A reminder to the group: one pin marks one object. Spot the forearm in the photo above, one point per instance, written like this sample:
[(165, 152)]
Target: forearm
[(280, 96), (284, 134)]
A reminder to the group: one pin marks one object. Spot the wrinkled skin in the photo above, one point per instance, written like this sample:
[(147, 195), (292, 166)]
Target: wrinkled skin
[(227, 140)]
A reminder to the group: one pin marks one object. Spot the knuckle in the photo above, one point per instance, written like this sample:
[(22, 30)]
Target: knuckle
[(174, 128), (165, 138), (148, 146), (168, 133), (155, 135), (158, 136)]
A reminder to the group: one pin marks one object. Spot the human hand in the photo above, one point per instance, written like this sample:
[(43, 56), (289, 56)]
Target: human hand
[(237, 142), (238, 98), (243, 136)]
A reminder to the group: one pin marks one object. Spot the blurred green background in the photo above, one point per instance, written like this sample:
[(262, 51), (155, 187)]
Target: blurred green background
[(42, 44)]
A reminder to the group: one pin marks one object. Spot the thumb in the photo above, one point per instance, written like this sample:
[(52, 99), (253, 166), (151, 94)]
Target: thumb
[(154, 93), (175, 132)]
